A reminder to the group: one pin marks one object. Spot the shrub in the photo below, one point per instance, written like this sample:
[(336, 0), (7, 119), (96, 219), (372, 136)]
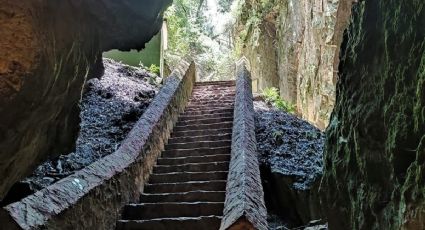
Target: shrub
[(154, 69), (272, 97)]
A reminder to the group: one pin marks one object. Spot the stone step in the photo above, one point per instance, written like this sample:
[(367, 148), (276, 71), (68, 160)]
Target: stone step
[(210, 102), (214, 89), (215, 86), (202, 83), (179, 223), (197, 103), (207, 112), (212, 185), (195, 159), (205, 116), (213, 96), (203, 108), (211, 89), (172, 209), (205, 121), (216, 137), (194, 133), (195, 152), (220, 125), (199, 144), (193, 167), (181, 177), (194, 196)]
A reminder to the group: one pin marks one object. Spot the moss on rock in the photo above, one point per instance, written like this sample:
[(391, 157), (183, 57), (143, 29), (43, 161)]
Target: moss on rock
[(375, 146)]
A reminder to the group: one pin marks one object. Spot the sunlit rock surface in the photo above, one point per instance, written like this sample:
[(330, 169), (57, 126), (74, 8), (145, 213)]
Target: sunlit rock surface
[(375, 155), (48, 49), (295, 47)]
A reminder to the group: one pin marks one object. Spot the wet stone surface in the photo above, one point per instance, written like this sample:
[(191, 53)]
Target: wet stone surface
[(290, 154), (110, 107), (289, 145)]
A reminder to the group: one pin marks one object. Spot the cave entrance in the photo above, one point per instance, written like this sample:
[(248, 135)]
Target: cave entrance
[(151, 57)]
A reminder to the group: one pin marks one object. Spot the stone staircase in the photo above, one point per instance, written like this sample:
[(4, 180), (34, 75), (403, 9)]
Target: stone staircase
[(187, 187)]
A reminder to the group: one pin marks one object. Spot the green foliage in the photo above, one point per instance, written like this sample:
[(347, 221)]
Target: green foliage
[(154, 69), (251, 16), (271, 96), (186, 24), (192, 34), (224, 5)]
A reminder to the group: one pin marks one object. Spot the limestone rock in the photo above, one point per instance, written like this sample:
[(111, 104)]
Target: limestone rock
[(295, 47), (49, 48), (374, 159)]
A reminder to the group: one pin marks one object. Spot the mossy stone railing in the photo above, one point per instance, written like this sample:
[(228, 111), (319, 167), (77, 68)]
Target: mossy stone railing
[(92, 198), (244, 206)]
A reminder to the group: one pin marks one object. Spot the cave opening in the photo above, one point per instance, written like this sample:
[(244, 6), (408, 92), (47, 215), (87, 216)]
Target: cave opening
[(339, 120)]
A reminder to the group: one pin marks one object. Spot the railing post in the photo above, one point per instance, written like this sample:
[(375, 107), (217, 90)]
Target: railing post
[(244, 206)]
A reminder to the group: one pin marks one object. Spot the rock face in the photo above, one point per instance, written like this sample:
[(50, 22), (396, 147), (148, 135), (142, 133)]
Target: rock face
[(290, 152), (295, 47), (374, 159), (48, 50)]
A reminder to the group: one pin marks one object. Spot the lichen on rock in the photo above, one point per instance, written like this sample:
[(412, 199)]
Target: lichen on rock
[(374, 157)]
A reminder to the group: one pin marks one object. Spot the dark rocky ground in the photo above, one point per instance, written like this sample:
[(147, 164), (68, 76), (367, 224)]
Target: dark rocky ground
[(291, 151), (110, 107)]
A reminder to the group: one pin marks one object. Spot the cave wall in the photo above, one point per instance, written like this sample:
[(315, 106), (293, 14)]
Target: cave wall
[(49, 49), (303, 39), (374, 174)]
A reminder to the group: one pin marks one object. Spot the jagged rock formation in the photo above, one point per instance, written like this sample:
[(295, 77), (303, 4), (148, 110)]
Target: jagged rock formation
[(295, 46), (48, 50), (290, 151), (374, 159)]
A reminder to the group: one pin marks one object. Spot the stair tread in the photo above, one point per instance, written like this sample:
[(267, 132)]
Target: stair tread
[(189, 182), (195, 151), (195, 117), (171, 218), (188, 126), (194, 167), (214, 136), (198, 144), (172, 209), (187, 187), (189, 157), (211, 222), (210, 131)]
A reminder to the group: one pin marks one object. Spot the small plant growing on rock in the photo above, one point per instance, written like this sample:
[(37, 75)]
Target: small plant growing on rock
[(272, 97), (154, 69)]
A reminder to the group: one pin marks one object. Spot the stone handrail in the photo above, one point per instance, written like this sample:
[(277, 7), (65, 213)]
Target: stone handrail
[(92, 198), (244, 206)]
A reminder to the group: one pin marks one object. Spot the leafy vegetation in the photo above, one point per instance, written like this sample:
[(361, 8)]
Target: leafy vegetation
[(251, 17), (154, 69), (193, 33), (272, 97)]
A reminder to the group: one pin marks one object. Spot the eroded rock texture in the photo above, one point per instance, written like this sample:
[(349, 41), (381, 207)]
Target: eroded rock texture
[(375, 155), (290, 152), (48, 49), (295, 47)]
